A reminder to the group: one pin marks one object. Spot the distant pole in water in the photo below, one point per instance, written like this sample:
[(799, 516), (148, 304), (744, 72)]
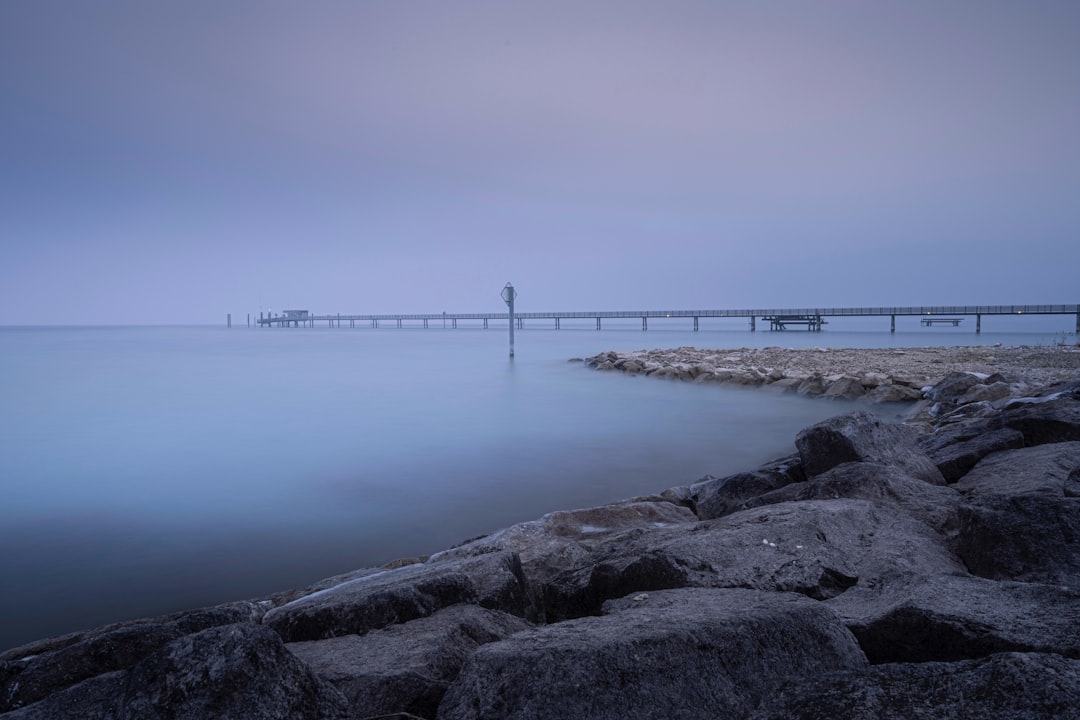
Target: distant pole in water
[(228, 320), (508, 294)]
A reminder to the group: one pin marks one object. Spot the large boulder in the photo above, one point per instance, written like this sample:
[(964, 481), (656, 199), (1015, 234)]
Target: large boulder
[(893, 394), (241, 672), (955, 453), (493, 580), (1049, 419), (1030, 538), (1041, 470), (862, 437), (986, 392), (681, 653), (844, 388), (957, 617), (1006, 686), (564, 539), (35, 671), (952, 387), (715, 497), (407, 667), (1021, 516), (885, 485), (819, 548), (96, 698)]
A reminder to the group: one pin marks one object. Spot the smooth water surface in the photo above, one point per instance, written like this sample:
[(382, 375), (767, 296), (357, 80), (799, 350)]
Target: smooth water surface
[(149, 470)]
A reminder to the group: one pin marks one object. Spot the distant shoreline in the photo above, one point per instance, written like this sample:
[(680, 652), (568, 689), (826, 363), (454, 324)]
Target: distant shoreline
[(872, 368)]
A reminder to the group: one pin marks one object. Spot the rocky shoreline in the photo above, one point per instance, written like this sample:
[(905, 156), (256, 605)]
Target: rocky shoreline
[(877, 375), (926, 569)]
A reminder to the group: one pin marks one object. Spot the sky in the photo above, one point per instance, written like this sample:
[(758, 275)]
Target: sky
[(168, 163)]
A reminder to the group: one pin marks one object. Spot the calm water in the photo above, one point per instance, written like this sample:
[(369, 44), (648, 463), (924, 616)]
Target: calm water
[(148, 470)]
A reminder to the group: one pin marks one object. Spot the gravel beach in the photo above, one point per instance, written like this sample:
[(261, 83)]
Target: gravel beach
[(914, 366)]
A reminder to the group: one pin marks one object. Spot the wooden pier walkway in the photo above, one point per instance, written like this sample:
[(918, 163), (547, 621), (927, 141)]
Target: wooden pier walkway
[(779, 319)]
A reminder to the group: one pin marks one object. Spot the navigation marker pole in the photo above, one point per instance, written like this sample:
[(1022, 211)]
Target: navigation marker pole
[(508, 294)]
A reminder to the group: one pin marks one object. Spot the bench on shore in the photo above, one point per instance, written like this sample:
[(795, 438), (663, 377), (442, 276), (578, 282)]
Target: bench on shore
[(931, 321)]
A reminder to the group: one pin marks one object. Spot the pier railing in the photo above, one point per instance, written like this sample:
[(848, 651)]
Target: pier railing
[(812, 317)]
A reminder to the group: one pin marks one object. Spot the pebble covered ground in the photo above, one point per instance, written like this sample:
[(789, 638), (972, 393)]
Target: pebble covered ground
[(918, 365)]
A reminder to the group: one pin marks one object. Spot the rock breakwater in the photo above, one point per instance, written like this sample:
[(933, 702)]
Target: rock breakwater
[(879, 375), (884, 570)]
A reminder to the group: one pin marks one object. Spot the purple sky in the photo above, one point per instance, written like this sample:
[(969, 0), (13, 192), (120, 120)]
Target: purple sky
[(172, 162)]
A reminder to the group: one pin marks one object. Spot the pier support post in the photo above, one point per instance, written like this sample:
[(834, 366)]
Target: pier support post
[(695, 324), (753, 323), (597, 323), (978, 323), (228, 320), (508, 294), (644, 323), (1078, 323), (892, 323)]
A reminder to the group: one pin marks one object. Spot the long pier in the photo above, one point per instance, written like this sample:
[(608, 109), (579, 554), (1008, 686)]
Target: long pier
[(779, 319)]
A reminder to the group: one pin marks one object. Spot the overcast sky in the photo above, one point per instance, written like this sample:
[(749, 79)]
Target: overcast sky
[(172, 162)]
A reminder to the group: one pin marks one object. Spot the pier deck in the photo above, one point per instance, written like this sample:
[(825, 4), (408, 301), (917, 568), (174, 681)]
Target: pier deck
[(812, 318)]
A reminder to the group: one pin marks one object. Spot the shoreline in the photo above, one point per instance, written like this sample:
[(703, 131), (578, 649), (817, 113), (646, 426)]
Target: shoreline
[(881, 374), (951, 522)]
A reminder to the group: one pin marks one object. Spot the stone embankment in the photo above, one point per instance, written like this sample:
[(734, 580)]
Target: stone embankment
[(884, 570), (878, 375)]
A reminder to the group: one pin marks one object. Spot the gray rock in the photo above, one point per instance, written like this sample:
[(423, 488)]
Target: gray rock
[(952, 387), (845, 388), (715, 497), (241, 672), (494, 580), (35, 671), (819, 548), (886, 485), (957, 617), (861, 437), (893, 394), (786, 384), (1006, 686), (1031, 538), (1042, 420), (813, 385), (955, 459), (948, 414), (405, 668), (986, 393), (1042, 470), (563, 539), (97, 698), (675, 654)]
